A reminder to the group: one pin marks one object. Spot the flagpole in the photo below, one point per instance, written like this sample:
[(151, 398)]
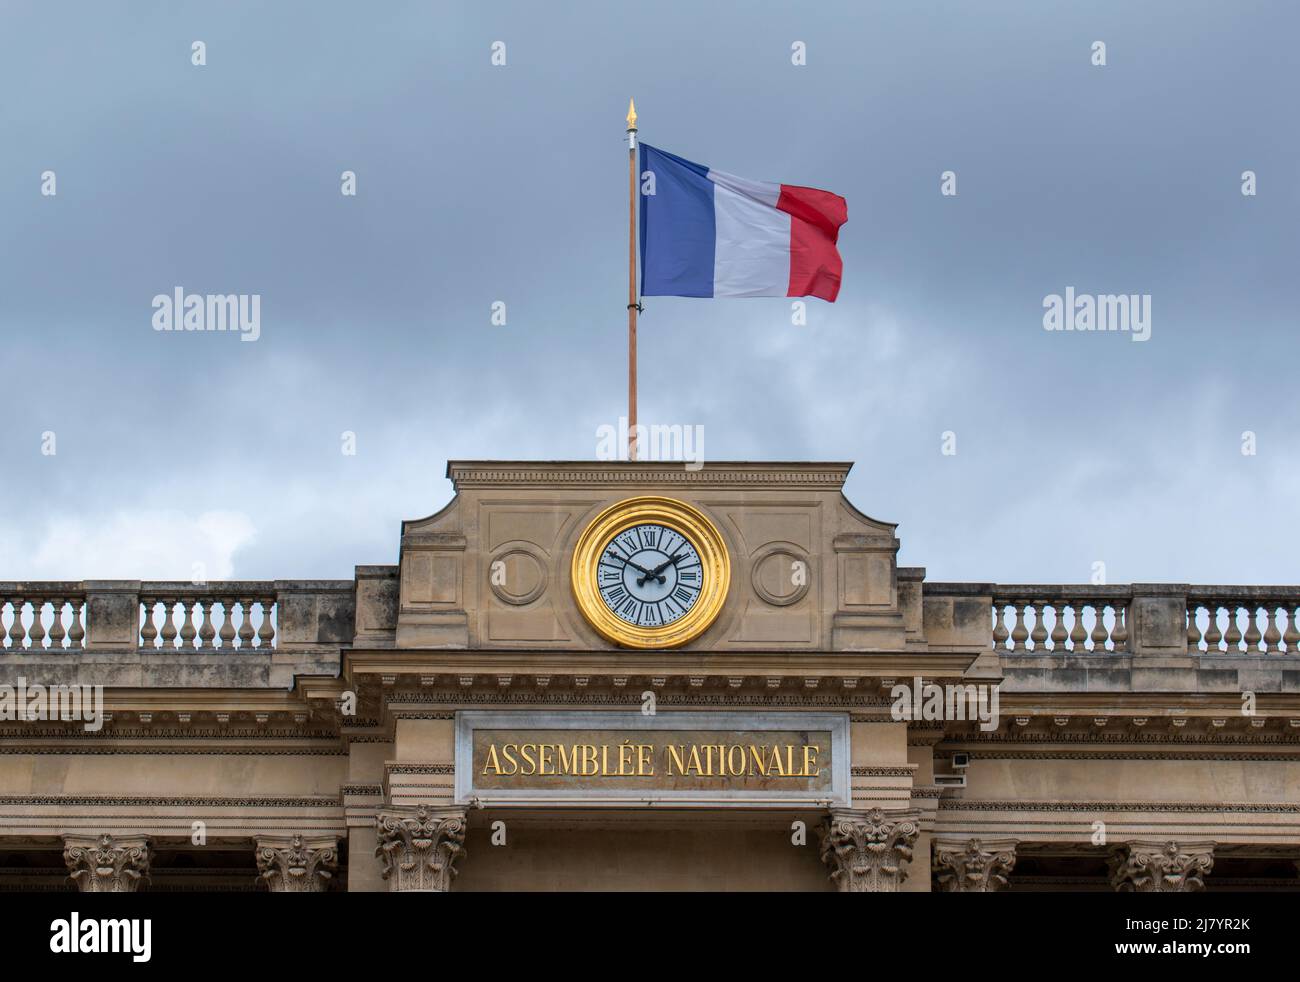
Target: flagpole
[(632, 305)]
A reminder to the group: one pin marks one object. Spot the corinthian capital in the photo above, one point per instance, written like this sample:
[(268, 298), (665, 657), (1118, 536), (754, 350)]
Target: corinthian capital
[(293, 864), (868, 850), (419, 847), (973, 865), (105, 863), (1161, 867)]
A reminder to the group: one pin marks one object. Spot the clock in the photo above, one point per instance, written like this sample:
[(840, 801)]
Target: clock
[(650, 572)]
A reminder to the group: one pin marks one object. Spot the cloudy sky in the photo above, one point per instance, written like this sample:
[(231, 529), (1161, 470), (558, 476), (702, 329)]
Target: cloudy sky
[(479, 183)]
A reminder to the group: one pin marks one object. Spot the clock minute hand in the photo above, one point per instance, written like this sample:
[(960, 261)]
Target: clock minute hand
[(635, 566)]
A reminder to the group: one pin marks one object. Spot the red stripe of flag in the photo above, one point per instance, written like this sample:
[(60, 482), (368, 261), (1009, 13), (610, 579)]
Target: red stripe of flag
[(815, 220)]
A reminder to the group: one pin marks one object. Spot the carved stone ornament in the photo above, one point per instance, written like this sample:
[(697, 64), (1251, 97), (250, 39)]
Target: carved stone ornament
[(868, 851), (419, 847), (107, 864), (1154, 867), (973, 866), (292, 864)]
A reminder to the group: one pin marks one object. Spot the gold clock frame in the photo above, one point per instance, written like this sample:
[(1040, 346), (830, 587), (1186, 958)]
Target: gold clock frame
[(684, 520)]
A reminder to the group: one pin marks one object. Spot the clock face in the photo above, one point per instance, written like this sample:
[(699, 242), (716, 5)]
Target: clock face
[(650, 572), (649, 575)]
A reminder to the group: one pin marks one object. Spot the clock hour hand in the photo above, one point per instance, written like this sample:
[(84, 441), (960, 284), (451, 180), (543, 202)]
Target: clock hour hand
[(671, 561)]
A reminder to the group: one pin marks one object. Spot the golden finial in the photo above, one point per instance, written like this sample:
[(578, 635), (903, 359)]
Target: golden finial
[(631, 114)]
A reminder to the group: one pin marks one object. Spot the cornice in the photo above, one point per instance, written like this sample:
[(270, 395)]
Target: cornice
[(489, 474), (791, 667), (962, 804), (261, 801)]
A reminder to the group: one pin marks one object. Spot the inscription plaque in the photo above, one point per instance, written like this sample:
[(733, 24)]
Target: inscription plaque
[(626, 757)]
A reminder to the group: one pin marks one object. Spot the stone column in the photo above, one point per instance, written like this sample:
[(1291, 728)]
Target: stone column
[(294, 864), (1161, 867), (868, 851), (107, 864), (973, 865), (419, 847)]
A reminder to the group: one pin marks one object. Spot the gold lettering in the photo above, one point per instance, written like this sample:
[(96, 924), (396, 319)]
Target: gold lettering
[(644, 761), (673, 752), (736, 769), (693, 762), (568, 757), (758, 763), (810, 759), (777, 769), (588, 759), (493, 765), (529, 766)]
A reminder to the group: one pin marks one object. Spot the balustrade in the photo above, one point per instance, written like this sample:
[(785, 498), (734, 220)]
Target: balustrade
[(42, 616), (204, 618), (1037, 622), (1240, 622)]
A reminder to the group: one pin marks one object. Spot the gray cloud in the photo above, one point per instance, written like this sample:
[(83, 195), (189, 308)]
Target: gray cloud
[(479, 184)]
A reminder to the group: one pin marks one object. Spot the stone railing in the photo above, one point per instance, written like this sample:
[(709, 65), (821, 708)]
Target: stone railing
[(1061, 618), (1243, 620), (1145, 619), (184, 616), (42, 615), (131, 615)]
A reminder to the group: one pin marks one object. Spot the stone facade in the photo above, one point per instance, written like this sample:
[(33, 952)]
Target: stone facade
[(302, 736)]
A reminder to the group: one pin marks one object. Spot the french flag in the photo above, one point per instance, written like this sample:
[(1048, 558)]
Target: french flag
[(707, 233)]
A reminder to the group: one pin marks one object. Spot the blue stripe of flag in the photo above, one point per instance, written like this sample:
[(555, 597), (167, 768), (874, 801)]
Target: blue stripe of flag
[(678, 230)]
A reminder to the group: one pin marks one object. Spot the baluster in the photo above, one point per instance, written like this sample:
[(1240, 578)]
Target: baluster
[(227, 634), (1273, 634), (169, 624), (56, 625), (206, 631), (1019, 633), (1077, 634), (246, 625), (1120, 634), (37, 634), (1233, 636), (1193, 629), (1291, 639), (148, 630), (1039, 634), (187, 623), (1252, 628), (1058, 627), (266, 631), (1099, 633), (76, 630), (1212, 635), (999, 626), (16, 629)]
